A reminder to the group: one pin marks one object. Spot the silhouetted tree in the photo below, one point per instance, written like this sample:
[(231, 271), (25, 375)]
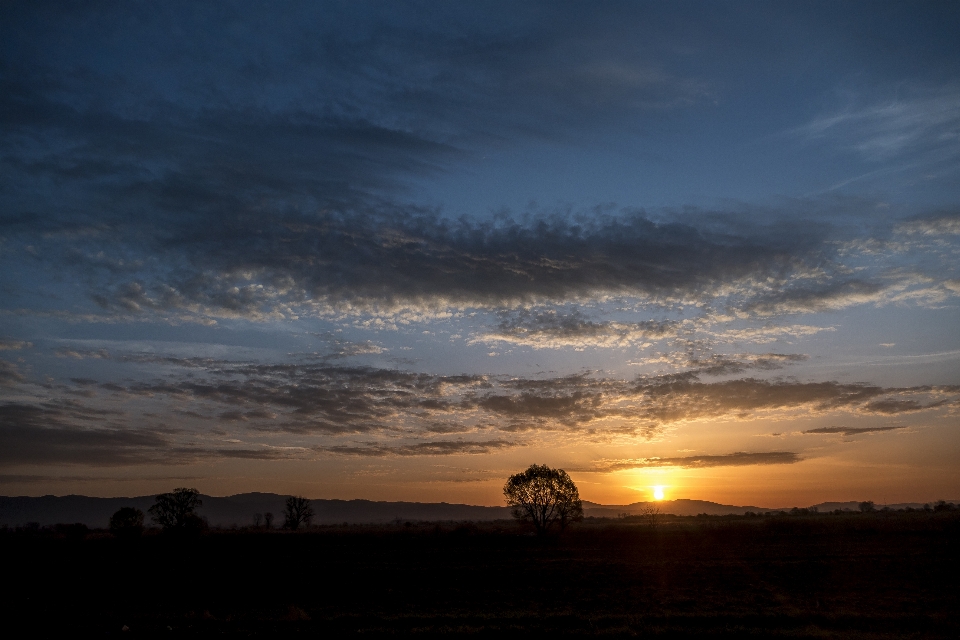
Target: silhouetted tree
[(127, 522), (867, 506), (297, 512), (268, 520), (174, 511), (257, 519), (543, 496), (650, 515)]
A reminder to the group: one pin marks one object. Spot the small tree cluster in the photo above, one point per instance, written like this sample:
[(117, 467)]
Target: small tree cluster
[(544, 497)]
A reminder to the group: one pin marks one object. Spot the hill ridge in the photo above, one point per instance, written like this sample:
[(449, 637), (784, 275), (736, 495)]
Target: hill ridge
[(239, 509)]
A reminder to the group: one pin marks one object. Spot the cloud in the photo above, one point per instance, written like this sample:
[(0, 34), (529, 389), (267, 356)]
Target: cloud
[(924, 122), (341, 349), (401, 413), (81, 354), (696, 359), (819, 298), (269, 268), (7, 344), (288, 201), (719, 364), (893, 406), (550, 329), (242, 454), (737, 459), (15, 478), (381, 260), (325, 400), (51, 435), (433, 448), (938, 225), (768, 333), (10, 373), (63, 434), (851, 431), (195, 199)]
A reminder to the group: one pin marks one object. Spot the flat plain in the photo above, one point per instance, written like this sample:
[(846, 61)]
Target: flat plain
[(880, 575)]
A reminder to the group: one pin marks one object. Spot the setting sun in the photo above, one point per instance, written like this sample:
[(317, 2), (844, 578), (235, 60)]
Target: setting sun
[(658, 493)]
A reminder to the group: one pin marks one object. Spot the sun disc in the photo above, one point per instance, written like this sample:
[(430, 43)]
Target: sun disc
[(658, 493)]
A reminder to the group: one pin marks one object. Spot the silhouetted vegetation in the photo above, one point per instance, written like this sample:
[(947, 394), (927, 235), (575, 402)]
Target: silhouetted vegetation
[(543, 496), (127, 523), (943, 505), (74, 531), (176, 511), (297, 512), (651, 516)]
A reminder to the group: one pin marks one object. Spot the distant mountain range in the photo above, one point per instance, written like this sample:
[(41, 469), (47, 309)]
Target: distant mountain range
[(240, 509)]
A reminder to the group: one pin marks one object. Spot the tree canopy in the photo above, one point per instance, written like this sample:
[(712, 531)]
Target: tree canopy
[(297, 512), (176, 510), (544, 497)]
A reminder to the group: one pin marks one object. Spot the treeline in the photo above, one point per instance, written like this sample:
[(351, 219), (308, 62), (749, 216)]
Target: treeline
[(174, 515)]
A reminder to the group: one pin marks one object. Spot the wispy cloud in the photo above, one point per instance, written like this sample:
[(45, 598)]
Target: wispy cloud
[(10, 373), (737, 459), (767, 333), (432, 448), (921, 122), (851, 431), (7, 344), (81, 354)]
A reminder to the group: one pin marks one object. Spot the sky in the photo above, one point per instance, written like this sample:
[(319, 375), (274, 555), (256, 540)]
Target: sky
[(400, 251)]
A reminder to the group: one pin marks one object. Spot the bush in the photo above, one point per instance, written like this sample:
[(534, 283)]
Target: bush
[(127, 522), (75, 531)]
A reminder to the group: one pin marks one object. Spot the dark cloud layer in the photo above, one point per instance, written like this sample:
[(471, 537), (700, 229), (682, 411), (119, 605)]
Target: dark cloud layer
[(267, 264), (342, 400), (190, 194), (70, 433), (737, 459)]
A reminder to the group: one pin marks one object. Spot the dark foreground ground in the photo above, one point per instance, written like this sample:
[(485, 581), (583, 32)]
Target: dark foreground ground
[(851, 576)]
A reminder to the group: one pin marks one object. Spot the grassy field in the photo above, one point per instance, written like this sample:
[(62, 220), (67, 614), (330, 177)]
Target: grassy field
[(882, 575)]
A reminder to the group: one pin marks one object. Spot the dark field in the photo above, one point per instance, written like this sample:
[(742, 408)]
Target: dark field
[(857, 575)]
